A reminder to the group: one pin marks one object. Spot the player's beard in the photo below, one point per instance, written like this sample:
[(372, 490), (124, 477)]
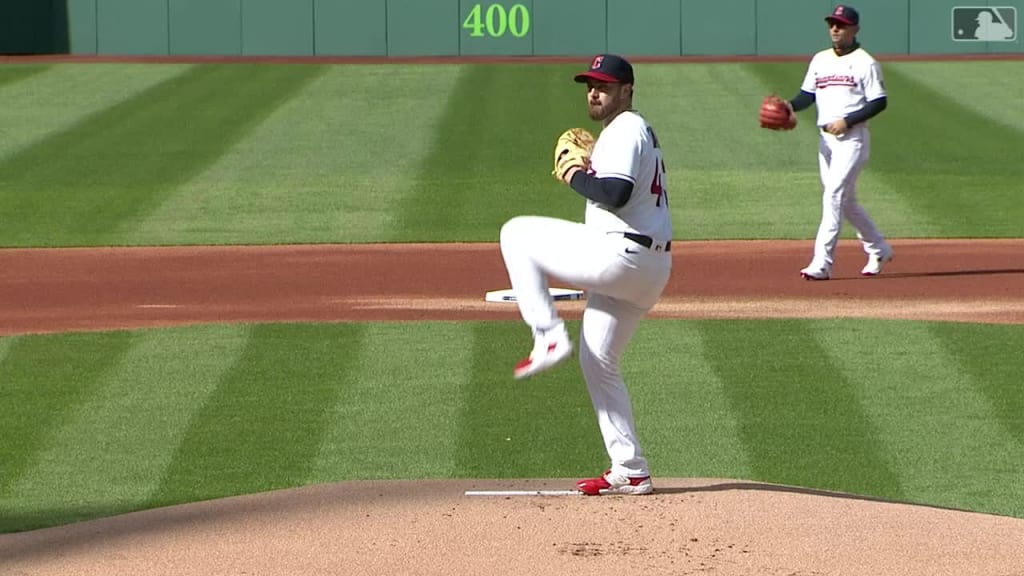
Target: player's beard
[(600, 112)]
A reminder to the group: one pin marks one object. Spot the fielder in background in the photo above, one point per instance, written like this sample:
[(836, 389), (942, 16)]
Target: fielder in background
[(845, 82), (619, 255)]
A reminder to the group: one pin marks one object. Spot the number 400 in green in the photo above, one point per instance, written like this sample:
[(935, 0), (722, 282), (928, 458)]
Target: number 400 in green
[(497, 21)]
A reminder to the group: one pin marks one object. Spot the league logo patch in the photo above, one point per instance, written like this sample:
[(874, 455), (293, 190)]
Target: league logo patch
[(984, 24)]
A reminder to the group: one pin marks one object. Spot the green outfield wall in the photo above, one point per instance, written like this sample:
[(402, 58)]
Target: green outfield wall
[(496, 27)]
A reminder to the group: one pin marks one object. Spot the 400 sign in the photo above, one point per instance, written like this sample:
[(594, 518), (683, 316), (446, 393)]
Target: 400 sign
[(495, 21)]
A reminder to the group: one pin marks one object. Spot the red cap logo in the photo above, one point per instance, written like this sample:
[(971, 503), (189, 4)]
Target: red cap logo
[(597, 62), (839, 11)]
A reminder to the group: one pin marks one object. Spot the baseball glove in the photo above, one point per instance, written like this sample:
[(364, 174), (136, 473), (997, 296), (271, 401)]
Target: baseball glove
[(776, 114), (573, 148)]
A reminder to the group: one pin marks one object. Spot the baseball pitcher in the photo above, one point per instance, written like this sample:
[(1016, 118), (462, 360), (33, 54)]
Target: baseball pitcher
[(619, 255)]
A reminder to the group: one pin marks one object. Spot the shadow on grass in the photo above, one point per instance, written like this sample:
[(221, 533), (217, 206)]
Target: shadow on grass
[(46, 533)]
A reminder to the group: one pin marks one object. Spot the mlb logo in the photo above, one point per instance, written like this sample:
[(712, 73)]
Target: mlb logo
[(985, 24)]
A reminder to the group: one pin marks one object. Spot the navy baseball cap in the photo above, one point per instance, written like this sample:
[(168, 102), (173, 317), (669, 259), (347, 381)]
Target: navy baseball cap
[(845, 14), (608, 68)]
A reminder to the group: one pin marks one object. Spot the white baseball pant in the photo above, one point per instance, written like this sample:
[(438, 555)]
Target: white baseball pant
[(623, 280), (840, 160)]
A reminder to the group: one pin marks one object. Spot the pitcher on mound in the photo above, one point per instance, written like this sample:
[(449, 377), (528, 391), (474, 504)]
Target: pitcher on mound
[(619, 254)]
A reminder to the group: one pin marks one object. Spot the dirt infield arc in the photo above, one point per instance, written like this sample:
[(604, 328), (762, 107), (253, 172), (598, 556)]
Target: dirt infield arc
[(690, 526), (54, 290)]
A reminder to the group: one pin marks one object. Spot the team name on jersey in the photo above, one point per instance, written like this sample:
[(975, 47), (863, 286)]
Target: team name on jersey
[(834, 80)]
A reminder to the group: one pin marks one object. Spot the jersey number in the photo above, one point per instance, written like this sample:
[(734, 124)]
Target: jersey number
[(656, 187)]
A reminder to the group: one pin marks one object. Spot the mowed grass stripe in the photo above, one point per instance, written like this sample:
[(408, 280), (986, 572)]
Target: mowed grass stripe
[(800, 418), (717, 204), (994, 89), (42, 105), (491, 155), (10, 74), (47, 378), (706, 118), (6, 343), (722, 169), (109, 455), (340, 154), (962, 168), (395, 415), (542, 427), (81, 185), (945, 442), (261, 429), (686, 425), (990, 356)]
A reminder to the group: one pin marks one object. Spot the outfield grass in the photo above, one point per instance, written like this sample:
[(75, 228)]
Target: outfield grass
[(251, 154), (171, 154), (922, 412)]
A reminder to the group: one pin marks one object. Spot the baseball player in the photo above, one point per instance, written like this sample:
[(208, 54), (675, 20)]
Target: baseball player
[(619, 255), (845, 82)]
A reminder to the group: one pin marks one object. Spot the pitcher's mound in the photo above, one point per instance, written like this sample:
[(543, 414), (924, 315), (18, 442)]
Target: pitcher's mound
[(689, 526)]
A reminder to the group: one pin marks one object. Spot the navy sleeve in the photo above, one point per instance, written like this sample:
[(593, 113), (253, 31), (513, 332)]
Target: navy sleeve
[(870, 110), (614, 192), (802, 100)]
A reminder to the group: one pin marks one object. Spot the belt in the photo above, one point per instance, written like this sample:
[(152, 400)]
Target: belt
[(647, 241)]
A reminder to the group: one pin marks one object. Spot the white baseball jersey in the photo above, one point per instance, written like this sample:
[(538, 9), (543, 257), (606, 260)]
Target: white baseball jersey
[(628, 149), (842, 84)]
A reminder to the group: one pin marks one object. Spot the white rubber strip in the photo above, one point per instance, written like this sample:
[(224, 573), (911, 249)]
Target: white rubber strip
[(523, 493)]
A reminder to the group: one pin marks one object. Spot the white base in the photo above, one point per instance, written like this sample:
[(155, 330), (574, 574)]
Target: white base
[(507, 295)]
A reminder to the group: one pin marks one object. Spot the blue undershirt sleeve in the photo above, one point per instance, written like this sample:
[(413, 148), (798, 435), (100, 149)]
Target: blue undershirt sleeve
[(614, 192)]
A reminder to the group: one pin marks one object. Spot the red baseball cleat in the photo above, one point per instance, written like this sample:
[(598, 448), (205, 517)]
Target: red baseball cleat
[(609, 483)]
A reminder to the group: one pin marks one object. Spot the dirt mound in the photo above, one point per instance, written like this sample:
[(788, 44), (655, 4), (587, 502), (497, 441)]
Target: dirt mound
[(689, 526)]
